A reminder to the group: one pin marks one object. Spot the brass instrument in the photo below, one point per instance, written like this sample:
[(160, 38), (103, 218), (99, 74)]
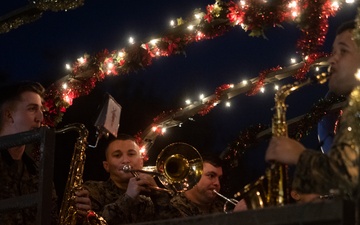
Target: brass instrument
[(68, 213), (277, 174), (253, 194), (178, 167)]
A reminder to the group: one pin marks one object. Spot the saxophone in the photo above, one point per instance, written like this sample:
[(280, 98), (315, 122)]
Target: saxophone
[(277, 173), (68, 213)]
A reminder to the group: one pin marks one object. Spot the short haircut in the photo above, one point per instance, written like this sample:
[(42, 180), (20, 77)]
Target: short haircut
[(213, 159), (348, 25), (120, 137), (12, 92)]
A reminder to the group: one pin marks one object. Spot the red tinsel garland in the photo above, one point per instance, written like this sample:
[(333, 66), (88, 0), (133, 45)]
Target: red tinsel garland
[(255, 16)]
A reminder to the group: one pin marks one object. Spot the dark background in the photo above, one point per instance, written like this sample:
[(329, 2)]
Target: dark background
[(39, 51)]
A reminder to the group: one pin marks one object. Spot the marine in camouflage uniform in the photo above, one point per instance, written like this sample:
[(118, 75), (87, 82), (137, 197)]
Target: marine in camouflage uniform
[(116, 207), (20, 177), (189, 208), (319, 173)]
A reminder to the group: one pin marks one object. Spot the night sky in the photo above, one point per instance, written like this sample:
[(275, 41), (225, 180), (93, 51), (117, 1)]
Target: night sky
[(39, 51)]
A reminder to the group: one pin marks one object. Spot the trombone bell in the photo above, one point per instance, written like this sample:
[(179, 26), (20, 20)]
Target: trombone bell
[(181, 165)]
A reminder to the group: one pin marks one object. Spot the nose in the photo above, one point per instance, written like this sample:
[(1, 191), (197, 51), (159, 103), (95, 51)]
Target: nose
[(217, 182), (332, 59), (39, 117)]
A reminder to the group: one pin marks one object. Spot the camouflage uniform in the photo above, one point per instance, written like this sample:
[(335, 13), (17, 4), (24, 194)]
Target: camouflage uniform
[(319, 173), (20, 178), (116, 207), (188, 208)]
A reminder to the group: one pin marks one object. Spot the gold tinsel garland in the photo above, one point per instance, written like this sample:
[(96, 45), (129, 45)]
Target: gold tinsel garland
[(33, 11)]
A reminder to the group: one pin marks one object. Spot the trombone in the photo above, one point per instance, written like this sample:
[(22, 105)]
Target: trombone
[(178, 167), (232, 200)]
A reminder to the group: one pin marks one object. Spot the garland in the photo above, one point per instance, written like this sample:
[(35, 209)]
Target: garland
[(254, 16)]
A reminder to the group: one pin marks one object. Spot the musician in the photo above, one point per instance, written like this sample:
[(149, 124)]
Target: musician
[(202, 199), (317, 172), (124, 198), (21, 110)]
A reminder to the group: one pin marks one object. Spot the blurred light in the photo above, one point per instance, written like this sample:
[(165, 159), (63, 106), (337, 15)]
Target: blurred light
[(188, 101), (67, 66), (81, 60), (121, 54), (110, 65), (153, 41), (64, 86), (317, 68), (172, 23), (227, 104), (293, 60), (262, 90), (276, 87), (245, 82), (154, 128), (142, 150), (357, 74), (197, 15), (349, 1), (190, 27), (231, 85), (131, 40), (163, 130), (201, 96)]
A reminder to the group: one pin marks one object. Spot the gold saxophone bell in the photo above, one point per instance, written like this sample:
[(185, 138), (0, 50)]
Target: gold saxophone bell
[(178, 167), (253, 194)]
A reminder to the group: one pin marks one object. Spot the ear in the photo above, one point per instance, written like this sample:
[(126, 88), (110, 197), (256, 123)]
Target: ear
[(8, 116), (106, 166), (295, 195)]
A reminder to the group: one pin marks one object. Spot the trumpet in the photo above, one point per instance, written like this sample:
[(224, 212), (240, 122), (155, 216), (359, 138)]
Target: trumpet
[(178, 167)]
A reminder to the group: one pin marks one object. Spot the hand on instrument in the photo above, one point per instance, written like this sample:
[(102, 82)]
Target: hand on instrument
[(141, 183), (82, 201), (284, 150), (240, 206)]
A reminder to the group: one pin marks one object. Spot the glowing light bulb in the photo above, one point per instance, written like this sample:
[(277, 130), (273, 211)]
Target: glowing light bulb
[(153, 41), (276, 87), (293, 60), (317, 68), (81, 60), (131, 40), (227, 104), (262, 90), (357, 74), (67, 66), (172, 23), (110, 65), (188, 101), (142, 150)]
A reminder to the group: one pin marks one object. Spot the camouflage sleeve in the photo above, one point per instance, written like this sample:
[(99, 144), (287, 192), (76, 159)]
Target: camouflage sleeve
[(128, 210), (317, 172), (163, 208)]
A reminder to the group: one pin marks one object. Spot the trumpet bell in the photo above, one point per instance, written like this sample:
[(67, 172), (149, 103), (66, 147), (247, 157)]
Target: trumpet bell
[(181, 166)]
